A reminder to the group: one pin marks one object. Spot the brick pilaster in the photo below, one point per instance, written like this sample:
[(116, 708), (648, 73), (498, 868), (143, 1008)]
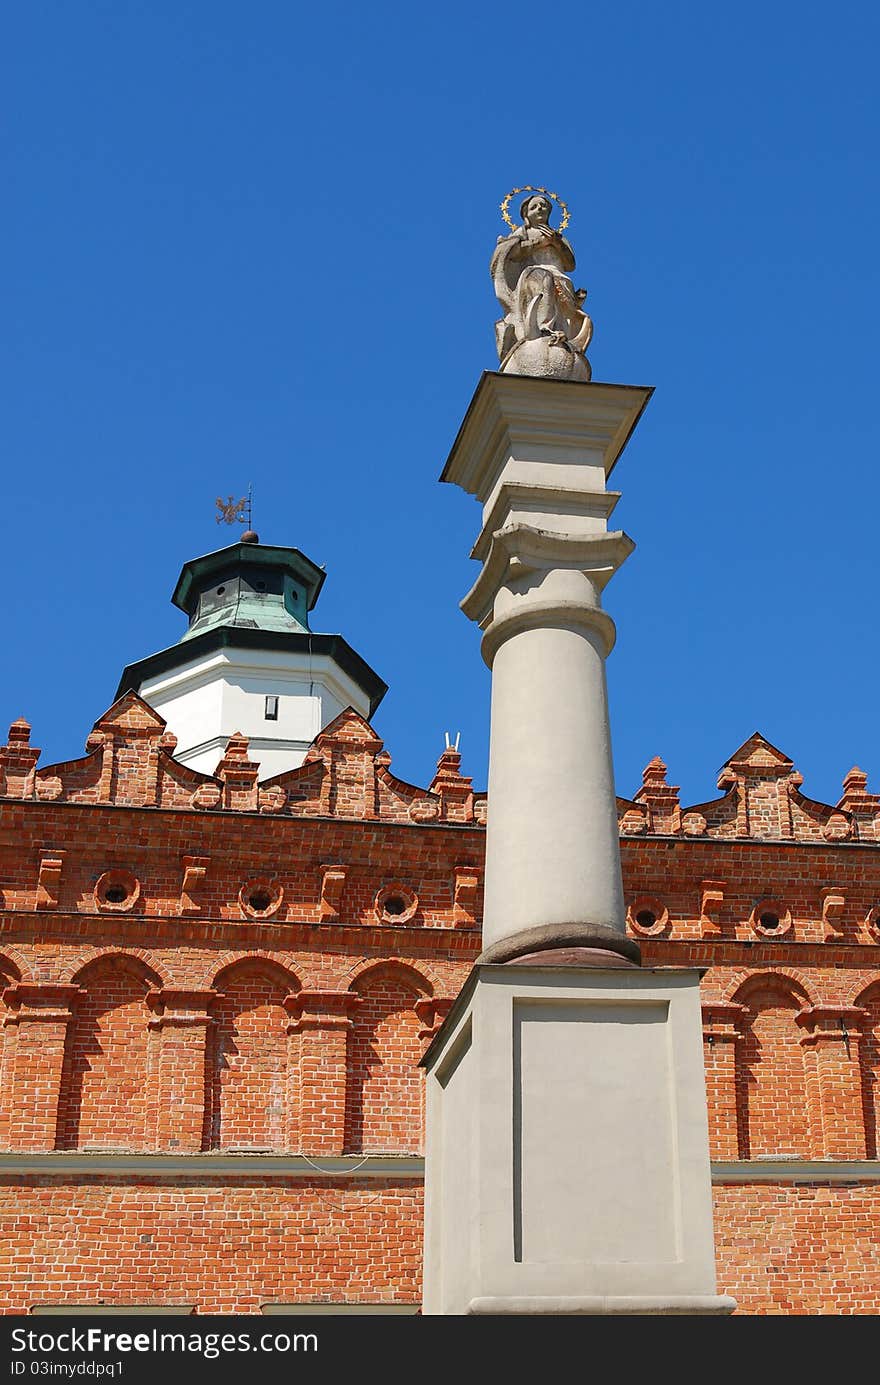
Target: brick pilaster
[(36, 1029), (180, 1027), (321, 1020), (831, 1052), (722, 1031)]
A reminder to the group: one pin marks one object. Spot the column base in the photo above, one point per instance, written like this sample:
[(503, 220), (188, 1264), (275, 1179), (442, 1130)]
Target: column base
[(709, 1305), (597, 944)]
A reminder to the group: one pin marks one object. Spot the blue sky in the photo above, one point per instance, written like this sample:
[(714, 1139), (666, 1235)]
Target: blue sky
[(250, 243)]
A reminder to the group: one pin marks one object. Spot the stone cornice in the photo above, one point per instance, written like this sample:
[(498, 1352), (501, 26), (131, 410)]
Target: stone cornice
[(407, 1168), (223, 1166), (508, 411), (796, 1171)]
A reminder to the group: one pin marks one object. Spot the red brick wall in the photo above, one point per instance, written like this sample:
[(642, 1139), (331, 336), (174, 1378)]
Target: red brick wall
[(810, 1249), (179, 1019), (794, 1250), (223, 1249)]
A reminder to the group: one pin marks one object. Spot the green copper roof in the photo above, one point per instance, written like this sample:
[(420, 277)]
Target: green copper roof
[(249, 586), (252, 596)]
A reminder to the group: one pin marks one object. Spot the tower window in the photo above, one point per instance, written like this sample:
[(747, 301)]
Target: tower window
[(271, 708)]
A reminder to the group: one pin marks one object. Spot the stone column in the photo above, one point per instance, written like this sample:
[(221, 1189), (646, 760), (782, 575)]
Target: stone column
[(567, 1152), (831, 1050), (722, 1032), (37, 1020), (322, 1021), (537, 454), (181, 1027)]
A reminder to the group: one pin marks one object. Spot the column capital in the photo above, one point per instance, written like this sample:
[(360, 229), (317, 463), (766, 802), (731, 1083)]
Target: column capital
[(723, 1021), (836, 1024), (569, 571), (181, 1008), (36, 1001), (320, 1009)]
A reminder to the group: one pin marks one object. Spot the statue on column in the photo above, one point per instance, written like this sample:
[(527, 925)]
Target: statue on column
[(544, 330)]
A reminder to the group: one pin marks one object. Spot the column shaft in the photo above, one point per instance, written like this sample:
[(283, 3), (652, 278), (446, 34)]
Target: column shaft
[(552, 845)]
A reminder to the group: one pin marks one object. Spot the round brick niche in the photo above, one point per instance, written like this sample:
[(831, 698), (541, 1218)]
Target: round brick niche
[(116, 892), (770, 918), (395, 903), (648, 917), (260, 898)]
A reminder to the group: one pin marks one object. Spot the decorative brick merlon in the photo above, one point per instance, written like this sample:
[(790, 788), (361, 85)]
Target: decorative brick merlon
[(238, 775), (659, 799), (320, 1010), (49, 879), (864, 807), (39, 1001), (194, 871), (454, 789), (332, 889), (18, 760)]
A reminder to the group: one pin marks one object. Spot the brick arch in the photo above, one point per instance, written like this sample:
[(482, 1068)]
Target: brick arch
[(263, 962), (868, 998), (771, 1078), (251, 1059), (106, 1098), (420, 980), (233, 957), (13, 964), (136, 956), (865, 995), (785, 978), (384, 1092)]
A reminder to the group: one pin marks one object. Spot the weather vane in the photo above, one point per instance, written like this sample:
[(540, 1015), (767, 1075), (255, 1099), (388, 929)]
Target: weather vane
[(232, 511)]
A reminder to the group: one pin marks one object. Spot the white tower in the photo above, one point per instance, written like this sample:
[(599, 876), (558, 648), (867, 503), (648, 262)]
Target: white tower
[(249, 662)]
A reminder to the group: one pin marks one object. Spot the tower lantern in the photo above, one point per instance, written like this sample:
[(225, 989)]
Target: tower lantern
[(249, 661)]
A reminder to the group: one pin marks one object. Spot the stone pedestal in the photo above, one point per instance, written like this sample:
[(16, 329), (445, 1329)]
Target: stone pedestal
[(567, 1167)]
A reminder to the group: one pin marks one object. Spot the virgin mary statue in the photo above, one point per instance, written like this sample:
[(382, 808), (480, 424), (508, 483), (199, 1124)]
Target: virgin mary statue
[(544, 330)]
